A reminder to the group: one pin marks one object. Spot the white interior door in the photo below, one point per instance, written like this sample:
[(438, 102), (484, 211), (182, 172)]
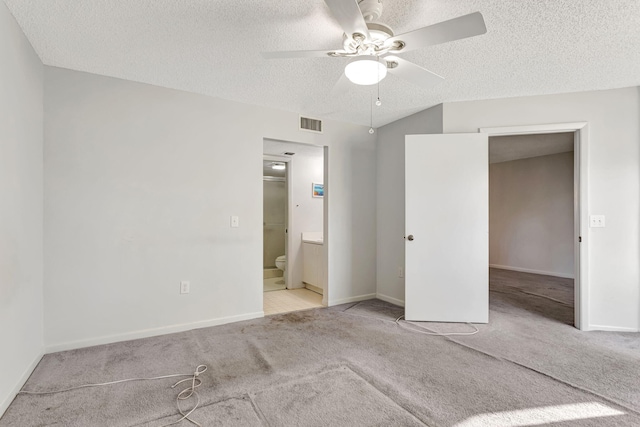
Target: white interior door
[(447, 228)]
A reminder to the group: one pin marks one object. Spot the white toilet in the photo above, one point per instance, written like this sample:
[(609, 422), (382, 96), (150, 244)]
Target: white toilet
[(281, 262)]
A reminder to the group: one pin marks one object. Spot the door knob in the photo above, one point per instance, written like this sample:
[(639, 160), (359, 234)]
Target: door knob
[(410, 237)]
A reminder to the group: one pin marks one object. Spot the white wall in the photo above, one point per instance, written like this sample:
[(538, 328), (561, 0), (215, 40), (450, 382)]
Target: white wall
[(140, 182), (20, 208), (531, 214), (390, 201), (306, 211), (614, 184)]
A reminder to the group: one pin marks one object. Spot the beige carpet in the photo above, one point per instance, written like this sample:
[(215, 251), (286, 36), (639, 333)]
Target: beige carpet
[(351, 365)]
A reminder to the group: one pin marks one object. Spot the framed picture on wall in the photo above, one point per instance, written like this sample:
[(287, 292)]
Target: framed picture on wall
[(317, 190)]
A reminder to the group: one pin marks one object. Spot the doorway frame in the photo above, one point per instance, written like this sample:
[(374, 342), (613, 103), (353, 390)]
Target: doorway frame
[(290, 205), (580, 131), (287, 216)]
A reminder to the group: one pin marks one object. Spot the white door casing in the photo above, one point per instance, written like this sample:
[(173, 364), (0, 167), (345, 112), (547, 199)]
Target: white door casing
[(581, 220)]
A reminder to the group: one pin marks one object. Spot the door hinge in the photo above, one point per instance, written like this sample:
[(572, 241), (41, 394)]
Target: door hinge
[(579, 239)]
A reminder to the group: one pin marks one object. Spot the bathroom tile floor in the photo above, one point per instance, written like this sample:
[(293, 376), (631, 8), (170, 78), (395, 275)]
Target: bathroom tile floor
[(274, 284), (290, 300)]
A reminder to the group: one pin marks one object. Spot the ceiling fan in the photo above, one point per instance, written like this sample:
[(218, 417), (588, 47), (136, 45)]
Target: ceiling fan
[(372, 46)]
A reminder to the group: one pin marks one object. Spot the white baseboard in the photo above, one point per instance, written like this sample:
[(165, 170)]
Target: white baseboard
[(23, 379), (611, 328), (352, 299), (315, 289), (394, 301), (529, 270), (145, 333)]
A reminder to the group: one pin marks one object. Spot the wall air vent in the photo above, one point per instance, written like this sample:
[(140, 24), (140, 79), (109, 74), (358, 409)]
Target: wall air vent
[(310, 125)]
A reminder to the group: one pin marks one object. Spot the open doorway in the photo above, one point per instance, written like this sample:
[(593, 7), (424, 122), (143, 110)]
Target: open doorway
[(294, 197), (532, 223), (448, 223)]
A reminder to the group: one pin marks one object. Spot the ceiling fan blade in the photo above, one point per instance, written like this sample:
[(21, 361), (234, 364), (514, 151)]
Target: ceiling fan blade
[(413, 73), (348, 15), (298, 54), (339, 89), (443, 32), (342, 85)]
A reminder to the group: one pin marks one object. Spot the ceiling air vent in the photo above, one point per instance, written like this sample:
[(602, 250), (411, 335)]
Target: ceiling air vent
[(311, 125)]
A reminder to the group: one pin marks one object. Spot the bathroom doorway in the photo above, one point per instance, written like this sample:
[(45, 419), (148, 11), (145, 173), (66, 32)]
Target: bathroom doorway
[(295, 253)]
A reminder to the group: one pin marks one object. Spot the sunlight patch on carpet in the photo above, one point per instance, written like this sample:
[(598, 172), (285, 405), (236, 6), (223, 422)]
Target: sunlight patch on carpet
[(541, 416)]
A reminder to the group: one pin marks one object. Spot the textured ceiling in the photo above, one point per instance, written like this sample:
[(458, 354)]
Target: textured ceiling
[(213, 47), (515, 147), (278, 148)]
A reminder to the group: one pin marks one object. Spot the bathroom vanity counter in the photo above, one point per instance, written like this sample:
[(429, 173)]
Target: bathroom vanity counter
[(314, 242), (313, 237)]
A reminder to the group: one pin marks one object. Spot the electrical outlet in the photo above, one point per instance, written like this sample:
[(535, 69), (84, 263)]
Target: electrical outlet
[(596, 221), (185, 287), (235, 221), (400, 272)]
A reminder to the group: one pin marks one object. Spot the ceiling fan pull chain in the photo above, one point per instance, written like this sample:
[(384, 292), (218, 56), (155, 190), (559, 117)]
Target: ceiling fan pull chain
[(378, 102), (371, 130)]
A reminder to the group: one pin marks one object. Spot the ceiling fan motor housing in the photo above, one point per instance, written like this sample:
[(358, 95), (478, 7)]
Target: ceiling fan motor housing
[(371, 9)]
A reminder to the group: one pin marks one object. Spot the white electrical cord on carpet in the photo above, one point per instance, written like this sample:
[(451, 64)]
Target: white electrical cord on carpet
[(183, 395), (397, 322), (187, 393), (438, 334)]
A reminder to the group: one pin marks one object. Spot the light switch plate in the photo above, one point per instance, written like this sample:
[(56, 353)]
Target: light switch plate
[(185, 287), (596, 221), (235, 221)]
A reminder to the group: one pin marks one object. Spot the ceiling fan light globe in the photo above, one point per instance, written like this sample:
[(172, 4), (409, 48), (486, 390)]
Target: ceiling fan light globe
[(366, 70)]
